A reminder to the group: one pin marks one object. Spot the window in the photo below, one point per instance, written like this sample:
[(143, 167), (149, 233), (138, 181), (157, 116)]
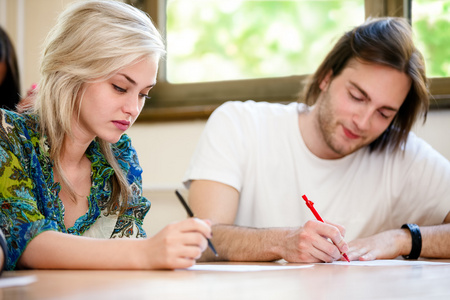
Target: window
[(430, 20), (216, 40), (227, 38)]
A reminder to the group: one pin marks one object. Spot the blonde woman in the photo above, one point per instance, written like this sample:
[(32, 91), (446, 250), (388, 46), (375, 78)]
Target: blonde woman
[(70, 186)]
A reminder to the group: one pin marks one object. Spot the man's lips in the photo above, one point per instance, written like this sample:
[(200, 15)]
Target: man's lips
[(122, 124), (350, 134)]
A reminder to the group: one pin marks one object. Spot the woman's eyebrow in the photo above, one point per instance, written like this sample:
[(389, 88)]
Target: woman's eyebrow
[(134, 82)]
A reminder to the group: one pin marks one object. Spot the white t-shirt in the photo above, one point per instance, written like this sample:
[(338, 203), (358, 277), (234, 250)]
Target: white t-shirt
[(257, 148)]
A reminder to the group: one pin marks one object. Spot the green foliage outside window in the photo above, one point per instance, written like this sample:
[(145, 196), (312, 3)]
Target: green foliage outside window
[(431, 25), (211, 40), (214, 40)]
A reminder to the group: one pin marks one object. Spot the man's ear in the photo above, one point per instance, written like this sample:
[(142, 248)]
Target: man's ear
[(326, 80)]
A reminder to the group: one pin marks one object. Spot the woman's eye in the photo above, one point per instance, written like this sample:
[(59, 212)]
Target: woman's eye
[(119, 89), (146, 97)]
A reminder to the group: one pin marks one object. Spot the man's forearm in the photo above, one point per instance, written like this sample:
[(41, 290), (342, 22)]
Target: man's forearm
[(436, 241), (234, 243)]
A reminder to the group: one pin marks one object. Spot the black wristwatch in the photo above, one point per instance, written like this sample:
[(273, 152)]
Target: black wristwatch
[(416, 238)]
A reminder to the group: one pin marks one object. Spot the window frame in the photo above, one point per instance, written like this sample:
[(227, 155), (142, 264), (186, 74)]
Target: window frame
[(175, 102)]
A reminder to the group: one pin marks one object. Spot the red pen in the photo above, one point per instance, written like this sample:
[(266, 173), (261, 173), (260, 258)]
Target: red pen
[(310, 204)]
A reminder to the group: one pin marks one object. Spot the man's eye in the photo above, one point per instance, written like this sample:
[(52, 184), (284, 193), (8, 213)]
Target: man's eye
[(383, 115), (354, 97)]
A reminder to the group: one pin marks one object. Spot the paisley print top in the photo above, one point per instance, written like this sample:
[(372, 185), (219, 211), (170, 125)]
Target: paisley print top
[(29, 196)]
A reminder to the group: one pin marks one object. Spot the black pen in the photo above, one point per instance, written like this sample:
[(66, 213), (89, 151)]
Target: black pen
[(191, 214)]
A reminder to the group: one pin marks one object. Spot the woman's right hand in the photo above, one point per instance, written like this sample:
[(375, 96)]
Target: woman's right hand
[(178, 245)]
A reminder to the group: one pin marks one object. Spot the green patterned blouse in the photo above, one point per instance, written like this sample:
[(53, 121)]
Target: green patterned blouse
[(29, 196)]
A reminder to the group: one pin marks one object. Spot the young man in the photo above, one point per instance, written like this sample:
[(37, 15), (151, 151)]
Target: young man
[(351, 152)]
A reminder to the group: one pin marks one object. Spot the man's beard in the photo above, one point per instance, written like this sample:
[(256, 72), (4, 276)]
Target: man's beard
[(328, 127)]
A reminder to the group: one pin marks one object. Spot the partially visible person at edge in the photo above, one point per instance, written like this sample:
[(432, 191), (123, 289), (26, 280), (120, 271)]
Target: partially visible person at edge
[(9, 73), (3, 251), (10, 97), (349, 149), (71, 191)]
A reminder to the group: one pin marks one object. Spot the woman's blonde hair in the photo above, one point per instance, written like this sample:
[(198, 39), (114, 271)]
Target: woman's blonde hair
[(91, 41)]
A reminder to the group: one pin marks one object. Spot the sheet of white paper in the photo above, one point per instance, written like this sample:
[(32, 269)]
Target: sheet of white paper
[(244, 268), (387, 262), (16, 281)]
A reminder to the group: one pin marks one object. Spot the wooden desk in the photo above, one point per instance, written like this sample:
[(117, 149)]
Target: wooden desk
[(323, 281)]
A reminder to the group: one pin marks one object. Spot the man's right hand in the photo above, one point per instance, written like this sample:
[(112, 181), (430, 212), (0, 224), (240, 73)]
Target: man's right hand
[(315, 242)]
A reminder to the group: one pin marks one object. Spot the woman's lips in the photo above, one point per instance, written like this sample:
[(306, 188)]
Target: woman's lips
[(122, 125)]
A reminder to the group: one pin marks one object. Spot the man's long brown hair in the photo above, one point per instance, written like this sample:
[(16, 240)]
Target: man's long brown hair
[(386, 41)]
